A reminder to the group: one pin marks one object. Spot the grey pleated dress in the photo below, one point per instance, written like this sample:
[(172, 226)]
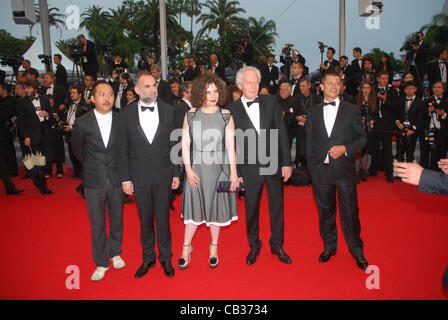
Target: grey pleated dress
[(209, 160)]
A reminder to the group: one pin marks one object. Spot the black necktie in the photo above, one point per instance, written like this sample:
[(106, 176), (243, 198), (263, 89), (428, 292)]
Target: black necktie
[(249, 103), (144, 108), (333, 103)]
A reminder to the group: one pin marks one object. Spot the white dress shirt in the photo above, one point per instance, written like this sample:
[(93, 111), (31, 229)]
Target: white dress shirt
[(50, 90), (119, 95), (105, 123), (149, 120), (38, 108), (71, 113), (330, 113), (443, 74), (253, 112)]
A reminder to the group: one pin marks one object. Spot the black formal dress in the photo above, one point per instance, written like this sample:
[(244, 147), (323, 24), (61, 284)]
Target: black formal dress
[(256, 172), (146, 163), (329, 175)]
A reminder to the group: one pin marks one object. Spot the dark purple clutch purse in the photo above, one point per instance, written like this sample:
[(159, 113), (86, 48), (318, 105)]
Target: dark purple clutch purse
[(224, 186)]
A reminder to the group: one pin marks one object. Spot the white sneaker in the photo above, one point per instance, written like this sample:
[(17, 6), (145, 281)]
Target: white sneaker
[(99, 273), (118, 262)]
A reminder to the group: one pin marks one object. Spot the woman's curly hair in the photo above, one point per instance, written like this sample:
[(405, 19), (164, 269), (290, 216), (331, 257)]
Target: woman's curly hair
[(200, 86)]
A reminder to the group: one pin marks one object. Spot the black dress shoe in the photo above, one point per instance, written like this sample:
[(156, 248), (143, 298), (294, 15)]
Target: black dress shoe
[(144, 268), (326, 255), (371, 174), (282, 255), (168, 268), (14, 192), (252, 256), (46, 191), (362, 263)]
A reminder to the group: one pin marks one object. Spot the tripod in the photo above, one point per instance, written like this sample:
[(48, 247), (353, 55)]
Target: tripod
[(77, 68)]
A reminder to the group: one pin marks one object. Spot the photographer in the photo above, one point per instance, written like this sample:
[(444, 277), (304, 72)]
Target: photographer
[(409, 122), (417, 56), (427, 181), (383, 127), (288, 57), (434, 139), (73, 110), (331, 63), (7, 106), (6, 121), (89, 60), (269, 75), (247, 51), (438, 70), (118, 63), (145, 62), (61, 73), (297, 74)]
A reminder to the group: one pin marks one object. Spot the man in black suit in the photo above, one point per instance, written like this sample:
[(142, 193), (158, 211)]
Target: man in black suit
[(35, 121), (384, 125), (89, 61), (61, 73), (331, 63), (269, 75), (334, 134), (95, 144), (343, 94), (247, 50), (163, 87), (146, 169), (288, 105), (74, 109), (427, 181), (51, 88), (216, 67), (357, 62), (184, 104), (348, 75), (7, 113), (438, 70), (418, 57), (258, 117), (306, 101), (297, 74), (411, 113)]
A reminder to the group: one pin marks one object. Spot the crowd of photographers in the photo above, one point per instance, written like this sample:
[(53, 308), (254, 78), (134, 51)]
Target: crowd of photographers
[(40, 112)]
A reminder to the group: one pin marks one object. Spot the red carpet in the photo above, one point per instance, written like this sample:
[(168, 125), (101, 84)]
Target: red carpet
[(404, 231)]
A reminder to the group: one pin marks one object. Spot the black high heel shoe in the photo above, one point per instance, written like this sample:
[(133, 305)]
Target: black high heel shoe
[(182, 263), (213, 261)]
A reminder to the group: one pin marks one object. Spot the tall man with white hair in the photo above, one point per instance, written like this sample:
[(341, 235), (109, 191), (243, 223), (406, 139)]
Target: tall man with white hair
[(259, 120)]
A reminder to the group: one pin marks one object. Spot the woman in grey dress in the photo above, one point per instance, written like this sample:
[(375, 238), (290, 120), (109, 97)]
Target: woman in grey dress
[(208, 153)]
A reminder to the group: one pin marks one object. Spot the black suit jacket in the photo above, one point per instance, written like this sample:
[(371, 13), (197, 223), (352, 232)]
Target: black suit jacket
[(348, 131), (270, 119), (415, 115), (181, 109), (61, 76), (7, 111), (220, 70), (355, 66), (91, 66), (389, 111), (434, 72), (331, 67), (99, 163), (29, 124), (164, 91), (142, 162), (81, 109), (296, 92)]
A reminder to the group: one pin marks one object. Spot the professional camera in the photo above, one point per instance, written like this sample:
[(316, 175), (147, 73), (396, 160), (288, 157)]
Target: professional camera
[(60, 126), (408, 45), (11, 125), (430, 138), (45, 59), (321, 46), (75, 50), (11, 61), (287, 50), (236, 50)]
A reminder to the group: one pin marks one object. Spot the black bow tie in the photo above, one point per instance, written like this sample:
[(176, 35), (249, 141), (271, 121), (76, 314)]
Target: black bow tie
[(333, 103), (249, 103), (34, 98), (408, 100), (144, 108)]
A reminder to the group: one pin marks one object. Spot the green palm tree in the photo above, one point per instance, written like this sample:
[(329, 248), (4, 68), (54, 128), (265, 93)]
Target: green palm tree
[(263, 35), (192, 9), (436, 34), (223, 17), (121, 15), (55, 19), (94, 16)]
